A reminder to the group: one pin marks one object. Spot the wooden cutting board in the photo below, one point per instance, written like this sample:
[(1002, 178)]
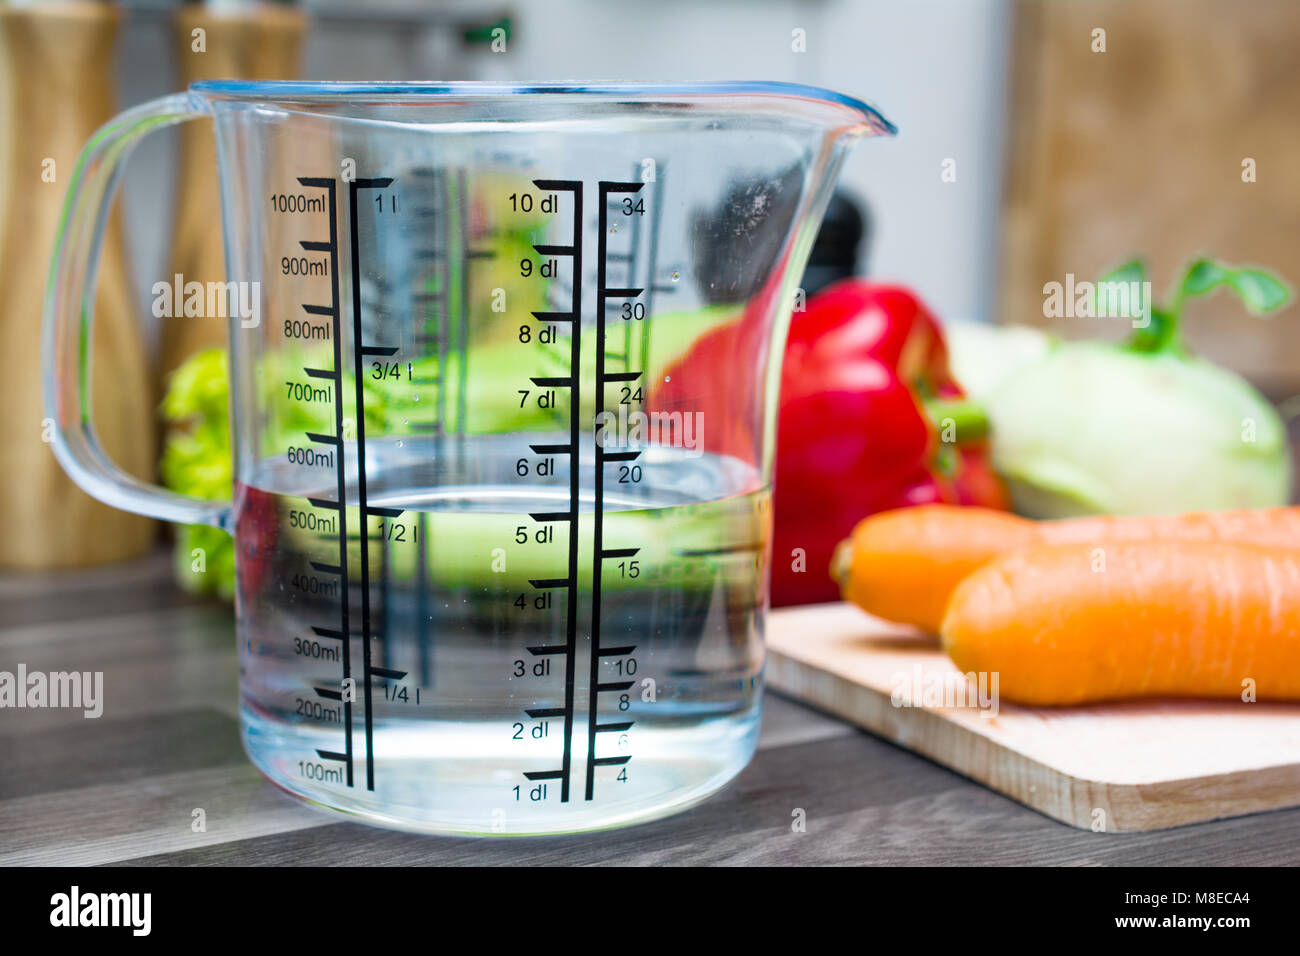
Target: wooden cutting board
[(1133, 766)]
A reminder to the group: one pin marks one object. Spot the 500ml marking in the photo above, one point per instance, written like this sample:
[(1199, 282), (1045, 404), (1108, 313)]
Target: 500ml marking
[(311, 521)]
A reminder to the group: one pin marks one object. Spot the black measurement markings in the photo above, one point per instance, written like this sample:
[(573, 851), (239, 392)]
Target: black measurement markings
[(570, 581), (340, 570), (364, 509), (600, 553)]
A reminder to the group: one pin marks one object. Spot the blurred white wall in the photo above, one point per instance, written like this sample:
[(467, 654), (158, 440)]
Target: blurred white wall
[(937, 68)]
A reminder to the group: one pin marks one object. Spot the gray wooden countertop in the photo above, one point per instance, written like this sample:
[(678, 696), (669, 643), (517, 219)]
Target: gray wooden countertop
[(121, 788)]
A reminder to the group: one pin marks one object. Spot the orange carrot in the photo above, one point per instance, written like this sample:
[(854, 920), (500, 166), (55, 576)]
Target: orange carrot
[(903, 565), (1076, 624)]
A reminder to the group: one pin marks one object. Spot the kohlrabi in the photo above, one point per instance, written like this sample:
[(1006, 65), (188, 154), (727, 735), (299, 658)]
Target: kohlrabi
[(1142, 427)]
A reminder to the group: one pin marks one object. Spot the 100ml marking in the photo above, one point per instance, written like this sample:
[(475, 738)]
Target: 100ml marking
[(318, 771)]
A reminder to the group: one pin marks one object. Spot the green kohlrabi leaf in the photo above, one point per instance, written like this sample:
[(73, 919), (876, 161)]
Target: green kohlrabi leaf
[(1259, 290), (1202, 276)]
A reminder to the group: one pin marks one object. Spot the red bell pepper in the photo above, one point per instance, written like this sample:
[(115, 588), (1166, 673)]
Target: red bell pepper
[(867, 401), (865, 393)]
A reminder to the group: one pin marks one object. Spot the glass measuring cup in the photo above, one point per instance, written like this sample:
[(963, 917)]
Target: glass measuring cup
[(503, 363)]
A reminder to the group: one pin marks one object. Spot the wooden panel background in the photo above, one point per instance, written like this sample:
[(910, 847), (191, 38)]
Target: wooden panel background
[(1139, 150)]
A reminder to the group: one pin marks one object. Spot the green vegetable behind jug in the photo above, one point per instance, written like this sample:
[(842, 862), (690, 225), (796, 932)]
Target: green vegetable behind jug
[(1144, 426)]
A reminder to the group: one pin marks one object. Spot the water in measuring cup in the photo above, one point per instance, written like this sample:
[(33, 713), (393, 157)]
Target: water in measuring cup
[(469, 738)]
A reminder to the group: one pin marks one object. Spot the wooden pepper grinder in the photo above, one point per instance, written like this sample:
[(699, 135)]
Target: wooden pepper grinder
[(56, 74), (256, 42)]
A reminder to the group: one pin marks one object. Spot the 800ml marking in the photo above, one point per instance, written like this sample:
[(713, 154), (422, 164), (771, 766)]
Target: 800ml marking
[(302, 329)]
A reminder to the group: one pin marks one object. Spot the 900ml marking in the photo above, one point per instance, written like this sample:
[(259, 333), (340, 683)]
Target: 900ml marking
[(302, 266)]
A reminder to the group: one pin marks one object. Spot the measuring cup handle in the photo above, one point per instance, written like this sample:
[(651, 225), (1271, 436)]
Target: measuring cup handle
[(69, 319)]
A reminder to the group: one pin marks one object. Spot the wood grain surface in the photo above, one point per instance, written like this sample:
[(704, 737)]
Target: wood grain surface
[(1138, 150), (262, 42), (1123, 766), (121, 789), (62, 54)]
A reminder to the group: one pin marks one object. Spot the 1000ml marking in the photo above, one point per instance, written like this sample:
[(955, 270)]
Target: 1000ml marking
[(297, 202)]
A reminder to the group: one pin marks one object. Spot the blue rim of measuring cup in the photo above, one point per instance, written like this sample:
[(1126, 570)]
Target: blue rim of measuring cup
[(296, 88)]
